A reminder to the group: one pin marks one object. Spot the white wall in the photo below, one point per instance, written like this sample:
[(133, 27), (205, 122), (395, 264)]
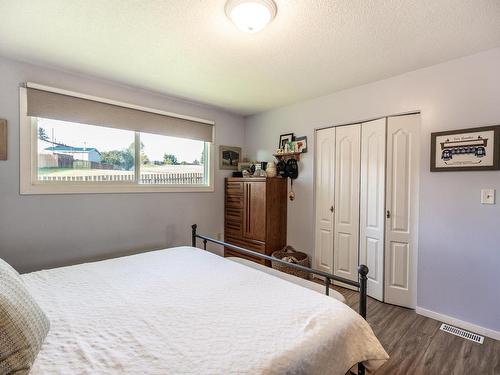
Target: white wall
[(459, 249), (46, 231)]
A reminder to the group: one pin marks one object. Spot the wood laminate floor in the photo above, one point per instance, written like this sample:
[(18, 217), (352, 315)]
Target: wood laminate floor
[(417, 346)]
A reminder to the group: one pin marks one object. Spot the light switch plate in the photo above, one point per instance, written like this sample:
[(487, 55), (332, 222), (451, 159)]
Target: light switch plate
[(487, 196)]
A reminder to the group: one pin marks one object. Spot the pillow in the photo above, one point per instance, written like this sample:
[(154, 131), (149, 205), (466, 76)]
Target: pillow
[(23, 325)]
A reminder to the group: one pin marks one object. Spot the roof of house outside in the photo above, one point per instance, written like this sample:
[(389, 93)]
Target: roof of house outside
[(72, 149)]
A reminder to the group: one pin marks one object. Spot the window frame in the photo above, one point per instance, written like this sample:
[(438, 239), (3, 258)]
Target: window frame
[(28, 166)]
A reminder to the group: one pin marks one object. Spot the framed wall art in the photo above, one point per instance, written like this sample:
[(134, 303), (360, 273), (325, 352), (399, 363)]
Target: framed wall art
[(285, 139), (473, 149), (301, 144), (3, 139), (229, 157)]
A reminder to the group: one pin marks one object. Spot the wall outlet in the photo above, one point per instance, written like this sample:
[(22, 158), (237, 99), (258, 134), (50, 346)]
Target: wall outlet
[(219, 236), (487, 196)]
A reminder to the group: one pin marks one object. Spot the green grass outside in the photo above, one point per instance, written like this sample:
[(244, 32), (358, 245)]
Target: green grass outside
[(149, 168)]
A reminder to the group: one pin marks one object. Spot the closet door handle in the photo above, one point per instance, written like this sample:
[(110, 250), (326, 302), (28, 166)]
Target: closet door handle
[(388, 214), (331, 209)]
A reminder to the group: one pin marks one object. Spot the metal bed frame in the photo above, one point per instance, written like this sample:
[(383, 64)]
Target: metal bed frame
[(362, 271)]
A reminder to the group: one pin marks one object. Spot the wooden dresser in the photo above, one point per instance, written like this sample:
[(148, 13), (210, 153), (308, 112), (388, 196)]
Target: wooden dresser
[(255, 215)]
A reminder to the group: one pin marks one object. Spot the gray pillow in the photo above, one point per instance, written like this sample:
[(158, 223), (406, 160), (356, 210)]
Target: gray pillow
[(23, 325)]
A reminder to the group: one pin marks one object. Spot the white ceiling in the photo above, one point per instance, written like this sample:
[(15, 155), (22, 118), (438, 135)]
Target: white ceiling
[(189, 48)]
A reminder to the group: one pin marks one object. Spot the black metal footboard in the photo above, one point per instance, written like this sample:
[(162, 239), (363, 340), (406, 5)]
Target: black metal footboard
[(362, 271)]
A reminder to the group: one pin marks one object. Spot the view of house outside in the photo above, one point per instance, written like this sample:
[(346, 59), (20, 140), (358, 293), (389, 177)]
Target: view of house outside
[(87, 153)]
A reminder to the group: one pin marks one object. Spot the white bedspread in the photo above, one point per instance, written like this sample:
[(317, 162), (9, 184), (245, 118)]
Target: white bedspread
[(187, 311), (291, 278)]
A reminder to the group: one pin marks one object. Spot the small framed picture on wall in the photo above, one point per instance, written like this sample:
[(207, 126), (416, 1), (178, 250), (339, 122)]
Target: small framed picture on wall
[(3, 139), (229, 157), (285, 139), (473, 149), (301, 144)]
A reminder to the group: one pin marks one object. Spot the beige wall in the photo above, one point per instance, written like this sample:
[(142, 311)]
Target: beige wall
[(459, 239), (46, 231)]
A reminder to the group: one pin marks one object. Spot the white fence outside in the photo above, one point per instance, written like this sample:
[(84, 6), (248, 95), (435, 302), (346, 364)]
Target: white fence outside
[(190, 178)]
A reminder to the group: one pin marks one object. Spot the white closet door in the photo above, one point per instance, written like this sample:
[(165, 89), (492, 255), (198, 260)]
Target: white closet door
[(372, 203), (346, 233), (324, 193), (401, 205)]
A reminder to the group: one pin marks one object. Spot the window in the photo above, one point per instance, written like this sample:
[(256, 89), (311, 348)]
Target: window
[(83, 153), (61, 156), (169, 160)]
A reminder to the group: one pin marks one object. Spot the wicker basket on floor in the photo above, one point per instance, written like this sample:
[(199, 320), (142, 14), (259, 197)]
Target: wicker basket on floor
[(289, 254)]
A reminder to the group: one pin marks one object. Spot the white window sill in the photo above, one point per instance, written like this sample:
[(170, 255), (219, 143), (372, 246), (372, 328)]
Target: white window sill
[(78, 188)]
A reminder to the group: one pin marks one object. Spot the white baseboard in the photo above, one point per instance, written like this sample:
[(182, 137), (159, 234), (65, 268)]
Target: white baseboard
[(459, 323)]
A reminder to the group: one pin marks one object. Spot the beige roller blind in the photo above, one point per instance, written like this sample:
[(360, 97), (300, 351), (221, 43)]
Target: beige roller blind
[(62, 107)]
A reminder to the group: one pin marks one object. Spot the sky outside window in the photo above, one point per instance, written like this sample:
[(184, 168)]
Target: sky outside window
[(109, 139)]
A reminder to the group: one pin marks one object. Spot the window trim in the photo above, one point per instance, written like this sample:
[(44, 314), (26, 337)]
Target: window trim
[(28, 178)]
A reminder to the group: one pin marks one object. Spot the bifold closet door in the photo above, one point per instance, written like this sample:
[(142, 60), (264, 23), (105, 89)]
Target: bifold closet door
[(372, 203), (401, 205), (324, 196), (346, 228)]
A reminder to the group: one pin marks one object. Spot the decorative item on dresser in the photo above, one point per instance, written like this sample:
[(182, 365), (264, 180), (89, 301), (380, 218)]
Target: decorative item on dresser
[(255, 215), (271, 169)]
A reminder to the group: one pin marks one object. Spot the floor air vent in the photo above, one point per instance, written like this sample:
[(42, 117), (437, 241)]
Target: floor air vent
[(462, 333)]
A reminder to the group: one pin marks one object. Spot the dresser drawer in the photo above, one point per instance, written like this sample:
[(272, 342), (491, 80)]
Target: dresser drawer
[(257, 246), (234, 201), (234, 187), (234, 214), (233, 222)]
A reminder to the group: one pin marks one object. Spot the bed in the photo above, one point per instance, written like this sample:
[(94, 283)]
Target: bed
[(187, 311), (291, 278)]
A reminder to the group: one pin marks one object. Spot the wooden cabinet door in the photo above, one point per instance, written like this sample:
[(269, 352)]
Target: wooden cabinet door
[(254, 210)]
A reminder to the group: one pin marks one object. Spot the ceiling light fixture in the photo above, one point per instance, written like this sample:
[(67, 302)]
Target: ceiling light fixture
[(251, 15)]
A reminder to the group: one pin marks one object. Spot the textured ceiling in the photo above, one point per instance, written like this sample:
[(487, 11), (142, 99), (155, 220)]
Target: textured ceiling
[(189, 48)]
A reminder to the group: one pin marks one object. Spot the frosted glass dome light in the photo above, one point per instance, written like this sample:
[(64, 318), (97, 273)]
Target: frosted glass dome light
[(251, 15)]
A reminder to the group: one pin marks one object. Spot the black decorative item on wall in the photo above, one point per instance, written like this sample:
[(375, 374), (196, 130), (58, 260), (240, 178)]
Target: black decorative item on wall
[(281, 168), (288, 155), (292, 169)]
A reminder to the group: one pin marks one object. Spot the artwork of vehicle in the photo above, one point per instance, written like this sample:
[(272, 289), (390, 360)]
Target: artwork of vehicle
[(480, 152), (446, 155), (477, 147)]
